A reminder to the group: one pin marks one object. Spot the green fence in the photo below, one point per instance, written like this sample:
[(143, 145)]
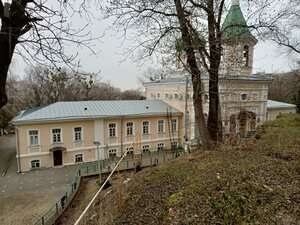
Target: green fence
[(56, 210), (131, 161)]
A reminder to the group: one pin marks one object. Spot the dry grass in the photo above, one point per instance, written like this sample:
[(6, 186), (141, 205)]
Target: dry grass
[(257, 182)]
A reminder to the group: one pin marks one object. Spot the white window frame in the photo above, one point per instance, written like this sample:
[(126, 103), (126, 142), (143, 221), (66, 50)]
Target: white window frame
[(127, 129), (147, 129), (81, 134), (115, 130), (29, 138), (174, 144), (146, 148), (130, 151), (176, 125), (160, 146), (35, 167), (159, 130), (77, 156), (61, 135), (112, 152)]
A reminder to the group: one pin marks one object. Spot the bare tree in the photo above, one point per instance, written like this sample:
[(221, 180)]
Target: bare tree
[(38, 31), (158, 22)]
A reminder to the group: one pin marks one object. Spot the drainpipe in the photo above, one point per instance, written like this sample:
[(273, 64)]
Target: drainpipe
[(122, 118), (18, 151)]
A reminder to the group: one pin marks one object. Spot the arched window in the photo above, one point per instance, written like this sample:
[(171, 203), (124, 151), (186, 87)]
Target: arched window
[(244, 97), (246, 55)]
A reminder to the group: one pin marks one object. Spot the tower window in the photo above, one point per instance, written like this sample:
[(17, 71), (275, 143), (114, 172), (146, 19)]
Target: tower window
[(244, 96), (246, 55)]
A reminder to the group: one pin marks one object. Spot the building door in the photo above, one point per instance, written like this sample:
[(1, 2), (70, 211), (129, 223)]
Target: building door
[(57, 158)]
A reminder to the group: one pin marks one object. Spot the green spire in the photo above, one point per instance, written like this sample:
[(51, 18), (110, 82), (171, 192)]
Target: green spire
[(234, 26)]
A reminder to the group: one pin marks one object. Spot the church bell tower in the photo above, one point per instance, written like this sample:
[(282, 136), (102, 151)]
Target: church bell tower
[(237, 44)]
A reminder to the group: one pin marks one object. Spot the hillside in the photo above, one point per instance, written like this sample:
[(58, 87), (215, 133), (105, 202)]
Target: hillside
[(256, 182)]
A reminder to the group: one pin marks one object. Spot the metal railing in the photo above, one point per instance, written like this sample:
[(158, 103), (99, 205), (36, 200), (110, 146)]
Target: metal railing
[(146, 159), (130, 161), (56, 210)]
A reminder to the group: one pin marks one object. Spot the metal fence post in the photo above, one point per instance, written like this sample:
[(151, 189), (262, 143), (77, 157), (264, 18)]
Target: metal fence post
[(43, 222)]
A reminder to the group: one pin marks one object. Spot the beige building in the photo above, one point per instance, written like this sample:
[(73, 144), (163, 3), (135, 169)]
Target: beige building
[(275, 109), (64, 133), (243, 96)]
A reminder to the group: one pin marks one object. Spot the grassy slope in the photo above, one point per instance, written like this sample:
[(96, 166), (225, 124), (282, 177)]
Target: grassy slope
[(253, 183)]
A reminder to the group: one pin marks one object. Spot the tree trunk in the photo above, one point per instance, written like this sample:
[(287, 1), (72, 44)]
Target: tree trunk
[(11, 29), (214, 37), (196, 76)]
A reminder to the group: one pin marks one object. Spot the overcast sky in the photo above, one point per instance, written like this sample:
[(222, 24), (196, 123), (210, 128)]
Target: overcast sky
[(267, 58)]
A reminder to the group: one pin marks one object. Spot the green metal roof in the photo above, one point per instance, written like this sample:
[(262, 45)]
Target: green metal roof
[(235, 26), (94, 109)]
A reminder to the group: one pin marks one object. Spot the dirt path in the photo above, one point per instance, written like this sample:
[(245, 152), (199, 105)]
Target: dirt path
[(103, 209)]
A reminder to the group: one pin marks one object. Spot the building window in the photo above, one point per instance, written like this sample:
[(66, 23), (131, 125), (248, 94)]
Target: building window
[(33, 137), (246, 55), (174, 144), (146, 148), (173, 125), (77, 133), (244, 97), (129, 128), (160, 126), (79, 158), (56, 135), (112, 152), (176, 95), (166, 95), (112, 130), (146, 127), (129, 151), (160, 146), (35, 164), (158, 95)]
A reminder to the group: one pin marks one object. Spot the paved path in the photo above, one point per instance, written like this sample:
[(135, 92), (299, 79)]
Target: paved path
[(26, 196), (8, 154)]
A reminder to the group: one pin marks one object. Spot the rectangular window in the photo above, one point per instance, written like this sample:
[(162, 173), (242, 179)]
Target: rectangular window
[(146, 127), (160, 146), (33, 137), (56, 135), (79, 158), (129, 128), (174, 125), (174, 144), (146, 148), (112, 129), (35, 164), (130, 151), (78, 134), (112, 152), (160, 126)]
